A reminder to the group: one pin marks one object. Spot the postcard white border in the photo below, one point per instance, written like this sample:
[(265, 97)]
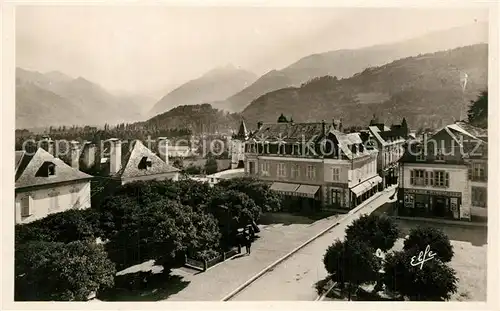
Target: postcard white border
[(7, 92)]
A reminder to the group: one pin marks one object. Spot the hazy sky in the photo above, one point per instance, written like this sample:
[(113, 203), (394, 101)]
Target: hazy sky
[(148, 48)]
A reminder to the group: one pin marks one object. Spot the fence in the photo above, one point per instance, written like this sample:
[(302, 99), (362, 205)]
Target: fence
[(204, 265)]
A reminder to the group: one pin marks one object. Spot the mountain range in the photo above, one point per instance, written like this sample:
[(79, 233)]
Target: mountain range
[(428, 90), (345, 63), (54, 98), (216, 84)]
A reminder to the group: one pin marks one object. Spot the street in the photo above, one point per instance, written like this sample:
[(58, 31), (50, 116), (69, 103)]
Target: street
[(294, 278)]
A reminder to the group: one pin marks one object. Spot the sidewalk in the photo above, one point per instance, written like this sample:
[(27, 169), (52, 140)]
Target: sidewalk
[(276, 241)]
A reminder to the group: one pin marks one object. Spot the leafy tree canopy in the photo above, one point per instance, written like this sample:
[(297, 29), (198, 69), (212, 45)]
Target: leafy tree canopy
[(67, 226), (478, 111), (351, 261), (58, 271), (377, 231), (432, 281), (258, 190), (421, 237)]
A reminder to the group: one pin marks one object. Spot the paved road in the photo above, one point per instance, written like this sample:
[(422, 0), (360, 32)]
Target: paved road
[(294, 278)]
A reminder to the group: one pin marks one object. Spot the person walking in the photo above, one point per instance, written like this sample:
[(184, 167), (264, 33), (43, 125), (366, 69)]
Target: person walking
[(248, 243)]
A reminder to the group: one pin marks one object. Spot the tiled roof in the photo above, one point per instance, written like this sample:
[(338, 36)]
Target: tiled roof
[(291, 132), (27, 166), (131, 164)]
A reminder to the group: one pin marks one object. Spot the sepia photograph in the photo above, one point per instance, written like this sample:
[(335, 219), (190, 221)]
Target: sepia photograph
[(245, 153)]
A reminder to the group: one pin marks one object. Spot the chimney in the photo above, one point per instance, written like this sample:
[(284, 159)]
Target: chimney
[(333, 124), (323, 124), (89, 154), (340, 128), (47, 144), (115, 155), (163, 148), (259, 125), (74, 154)]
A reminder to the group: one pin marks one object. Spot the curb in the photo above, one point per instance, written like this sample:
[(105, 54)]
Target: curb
[(274, 264)]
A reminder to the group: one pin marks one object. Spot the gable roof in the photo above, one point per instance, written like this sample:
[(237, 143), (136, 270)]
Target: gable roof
[(130, 165), (27, 166)]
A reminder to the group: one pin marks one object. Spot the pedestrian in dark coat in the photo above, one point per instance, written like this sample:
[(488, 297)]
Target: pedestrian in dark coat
[(248, 243)]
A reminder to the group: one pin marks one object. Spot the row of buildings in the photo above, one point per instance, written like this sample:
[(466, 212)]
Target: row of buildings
[(316, 165), (47, 183)]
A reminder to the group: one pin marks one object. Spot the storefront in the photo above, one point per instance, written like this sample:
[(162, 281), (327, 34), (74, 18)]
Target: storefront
[(362, 191), (430, 203), (298, 197)]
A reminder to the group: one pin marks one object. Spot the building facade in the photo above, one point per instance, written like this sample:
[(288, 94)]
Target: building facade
[(238, 146), (444, 176), (45, 185), (390, 144), (312, 165)]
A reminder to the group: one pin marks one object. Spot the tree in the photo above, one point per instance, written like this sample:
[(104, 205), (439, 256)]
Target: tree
[(377, 231), (421, 237), (67, 226), (211, 166), (352, 262), (257, 190), (233, 210), (163, 230), (432, 281), (478, 111), (60, 271)]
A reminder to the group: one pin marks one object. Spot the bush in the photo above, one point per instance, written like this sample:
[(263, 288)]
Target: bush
[(433, 281), (377, 231), (59, 271), (421, 237)]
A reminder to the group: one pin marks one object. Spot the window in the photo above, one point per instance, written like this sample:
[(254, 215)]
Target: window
[(479, 196), (26, 206), (264, 169), (417, 177), (336, 197), (52, 169), (251, 168), (479, 172), (54, 201), (421, 156), (336, 174), (429, 178), (439, 155), (295, 171), (311, 172), (145, 163), (441, 179), (281, 170), (281, 148)]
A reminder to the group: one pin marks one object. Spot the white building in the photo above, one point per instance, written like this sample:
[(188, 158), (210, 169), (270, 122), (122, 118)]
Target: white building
[(45, 185), (445, 175)]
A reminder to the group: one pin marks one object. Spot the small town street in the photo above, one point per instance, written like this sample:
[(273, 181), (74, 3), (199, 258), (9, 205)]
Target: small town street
[(301, 270), (294, 278)]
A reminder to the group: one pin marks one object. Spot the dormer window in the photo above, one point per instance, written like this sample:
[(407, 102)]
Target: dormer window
[(47, 169), (145, 163), (439, 155)]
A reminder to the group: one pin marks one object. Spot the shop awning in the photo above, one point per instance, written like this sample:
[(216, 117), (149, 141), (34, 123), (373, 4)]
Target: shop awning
[(363, 187), (284, 188), (307, 191)]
